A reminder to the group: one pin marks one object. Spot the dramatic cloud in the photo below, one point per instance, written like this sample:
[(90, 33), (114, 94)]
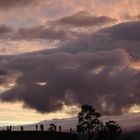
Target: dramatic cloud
[(46, 82), (83, 19)]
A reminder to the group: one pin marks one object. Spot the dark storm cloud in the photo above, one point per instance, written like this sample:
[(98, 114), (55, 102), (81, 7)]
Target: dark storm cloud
[(103, 79), (129, 31), (8, 4), (83, 19)]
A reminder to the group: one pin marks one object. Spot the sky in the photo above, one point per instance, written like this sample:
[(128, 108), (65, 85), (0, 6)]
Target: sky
[(56, 55)]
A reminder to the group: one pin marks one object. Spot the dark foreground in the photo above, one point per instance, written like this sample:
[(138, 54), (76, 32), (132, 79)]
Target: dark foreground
[(36, 135), (46, 135), (131, 136)]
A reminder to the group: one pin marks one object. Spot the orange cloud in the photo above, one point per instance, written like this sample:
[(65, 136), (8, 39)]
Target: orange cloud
[(136, 65)]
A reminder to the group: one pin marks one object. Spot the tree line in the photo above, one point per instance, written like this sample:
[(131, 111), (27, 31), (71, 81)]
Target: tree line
[(90, 125)]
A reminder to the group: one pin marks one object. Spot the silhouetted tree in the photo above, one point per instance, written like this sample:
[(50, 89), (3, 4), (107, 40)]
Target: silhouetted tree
[(52, 127), (110, 131), (88, 120), (113, 129)]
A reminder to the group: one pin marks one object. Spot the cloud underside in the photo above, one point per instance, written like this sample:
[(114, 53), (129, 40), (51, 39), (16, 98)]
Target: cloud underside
[(103, 79)]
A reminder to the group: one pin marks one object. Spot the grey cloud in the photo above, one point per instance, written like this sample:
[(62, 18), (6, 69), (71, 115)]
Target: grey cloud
[(82, 19), (103, 79)]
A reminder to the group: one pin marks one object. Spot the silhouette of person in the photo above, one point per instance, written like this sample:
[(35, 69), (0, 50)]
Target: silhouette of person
[(41, 127), (21, 128), (10, 128), (7, 128), (36, 126), (71, 130), (55, 128), (59, 128)]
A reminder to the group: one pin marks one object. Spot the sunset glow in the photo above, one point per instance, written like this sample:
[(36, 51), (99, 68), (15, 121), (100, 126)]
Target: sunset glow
[(136, 65), (134, 109)]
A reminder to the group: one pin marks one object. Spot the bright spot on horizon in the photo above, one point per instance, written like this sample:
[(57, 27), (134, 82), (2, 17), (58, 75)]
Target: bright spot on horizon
[(134, 109), (136, 65)]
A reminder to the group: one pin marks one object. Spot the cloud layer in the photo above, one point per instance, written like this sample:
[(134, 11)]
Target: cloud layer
[(103, 79), (61, 29)]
